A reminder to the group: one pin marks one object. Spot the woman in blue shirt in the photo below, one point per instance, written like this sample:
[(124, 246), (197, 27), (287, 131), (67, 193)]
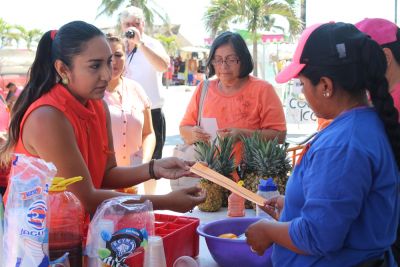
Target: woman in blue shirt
[(341, 206)]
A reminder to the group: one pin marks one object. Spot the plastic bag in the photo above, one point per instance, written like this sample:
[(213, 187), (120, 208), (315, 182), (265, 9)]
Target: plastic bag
[(1, 230), (185, 152), (25, 229), (63, 261), (118, 231)]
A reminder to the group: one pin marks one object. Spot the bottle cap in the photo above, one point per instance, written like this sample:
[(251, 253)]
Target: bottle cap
[(267, 185), (60, 184)]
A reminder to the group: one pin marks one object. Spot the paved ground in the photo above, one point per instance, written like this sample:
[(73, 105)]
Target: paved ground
[(176, 101)]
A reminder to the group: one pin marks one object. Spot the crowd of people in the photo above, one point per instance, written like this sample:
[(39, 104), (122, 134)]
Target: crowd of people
[(188, 70), (97, 98)]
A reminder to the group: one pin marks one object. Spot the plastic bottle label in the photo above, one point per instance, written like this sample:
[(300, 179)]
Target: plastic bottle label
[(266, 195)]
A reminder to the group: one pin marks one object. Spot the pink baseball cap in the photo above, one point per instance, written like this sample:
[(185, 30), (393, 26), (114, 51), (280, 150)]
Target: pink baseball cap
[(329, 44), (381, 30)]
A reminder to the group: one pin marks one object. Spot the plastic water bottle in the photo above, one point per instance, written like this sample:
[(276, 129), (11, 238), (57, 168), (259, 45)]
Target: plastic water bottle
[(236, 206), (66, 217), (267, 189)]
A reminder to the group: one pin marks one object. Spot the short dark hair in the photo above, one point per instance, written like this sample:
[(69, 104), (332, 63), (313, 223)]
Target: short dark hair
[(240, 47), (10, 84)]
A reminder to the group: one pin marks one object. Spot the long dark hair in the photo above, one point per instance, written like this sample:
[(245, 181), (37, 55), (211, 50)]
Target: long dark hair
[(64, 45), (369, 75)]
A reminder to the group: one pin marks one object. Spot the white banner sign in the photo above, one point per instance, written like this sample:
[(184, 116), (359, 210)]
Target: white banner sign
[(298, 111)]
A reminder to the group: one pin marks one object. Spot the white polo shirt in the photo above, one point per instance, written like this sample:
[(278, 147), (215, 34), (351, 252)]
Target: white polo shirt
[(138, 68)]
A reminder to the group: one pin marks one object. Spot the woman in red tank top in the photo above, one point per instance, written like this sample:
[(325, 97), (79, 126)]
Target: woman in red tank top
[(60, 117)]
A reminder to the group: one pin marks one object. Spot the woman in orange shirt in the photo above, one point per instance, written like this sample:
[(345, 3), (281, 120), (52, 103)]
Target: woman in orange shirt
[(239, 102)]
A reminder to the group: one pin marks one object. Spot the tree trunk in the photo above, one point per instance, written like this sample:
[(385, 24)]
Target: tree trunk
[(255, 56), (303, 5)]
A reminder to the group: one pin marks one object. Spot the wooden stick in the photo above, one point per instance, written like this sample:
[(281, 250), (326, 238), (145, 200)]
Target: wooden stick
[(227, 183)]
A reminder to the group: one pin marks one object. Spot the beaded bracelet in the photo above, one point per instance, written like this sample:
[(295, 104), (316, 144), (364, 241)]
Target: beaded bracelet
[(151, 170)]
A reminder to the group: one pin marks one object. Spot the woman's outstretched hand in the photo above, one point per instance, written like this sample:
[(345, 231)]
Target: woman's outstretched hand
[(172, 168), (185, 199)]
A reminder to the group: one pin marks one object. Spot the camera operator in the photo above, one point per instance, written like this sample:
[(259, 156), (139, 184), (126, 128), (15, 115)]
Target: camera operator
[(146, 62)]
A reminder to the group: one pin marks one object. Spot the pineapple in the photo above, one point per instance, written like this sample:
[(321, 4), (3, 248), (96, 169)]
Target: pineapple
[(272, 161), (263, 159), (226, 163), (247, 170), (219, 157)]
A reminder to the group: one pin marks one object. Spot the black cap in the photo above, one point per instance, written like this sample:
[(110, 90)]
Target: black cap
[(330, 44)]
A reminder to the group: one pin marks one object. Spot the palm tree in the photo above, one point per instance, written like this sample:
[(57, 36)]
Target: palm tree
[(303, 7), (5, 29), (29, 35), (257, 14), (169, 43), (108, 7), (17, 33), (14, 36), (167, 33)]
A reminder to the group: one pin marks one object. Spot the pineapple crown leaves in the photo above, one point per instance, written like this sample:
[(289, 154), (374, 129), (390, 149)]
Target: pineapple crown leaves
[(218, 154), (225, 156), (266, 157), (206, 151), (250, 145)]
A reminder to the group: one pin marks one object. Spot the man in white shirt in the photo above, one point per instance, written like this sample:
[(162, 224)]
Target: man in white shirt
[(146, 61)]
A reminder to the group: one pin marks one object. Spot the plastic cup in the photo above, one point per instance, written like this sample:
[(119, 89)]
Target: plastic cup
[(97, 242), (185, 261), (154, 255)]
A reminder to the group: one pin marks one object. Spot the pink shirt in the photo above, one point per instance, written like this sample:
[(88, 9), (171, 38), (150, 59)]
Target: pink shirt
[(4, 115), (396, 97), (3, 93), (127, 104)]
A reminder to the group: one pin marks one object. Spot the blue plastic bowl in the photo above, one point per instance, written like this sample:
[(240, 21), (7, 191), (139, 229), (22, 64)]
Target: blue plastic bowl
[(232, 252)]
